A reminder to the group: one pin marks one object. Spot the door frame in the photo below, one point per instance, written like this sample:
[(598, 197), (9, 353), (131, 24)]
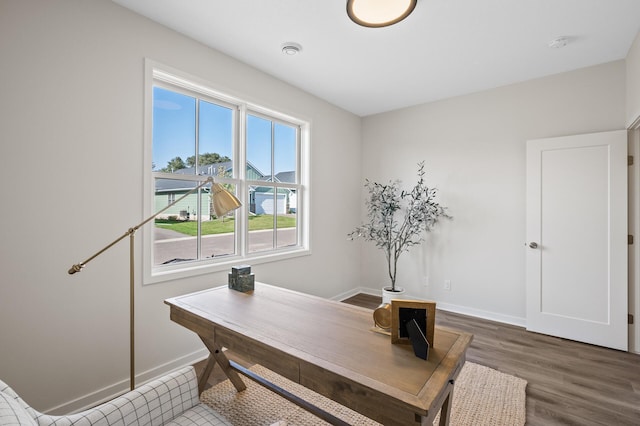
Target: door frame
[(633, 149)]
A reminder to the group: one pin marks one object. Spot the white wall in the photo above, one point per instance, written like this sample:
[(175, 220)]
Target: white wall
[(474, 148), (633, 81), (71, 134)]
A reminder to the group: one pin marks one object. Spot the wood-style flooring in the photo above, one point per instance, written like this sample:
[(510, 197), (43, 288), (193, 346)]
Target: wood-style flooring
[(569, 383)]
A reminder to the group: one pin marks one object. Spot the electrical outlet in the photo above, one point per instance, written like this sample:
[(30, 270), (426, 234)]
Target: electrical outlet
[(425, 280), (447, 285)]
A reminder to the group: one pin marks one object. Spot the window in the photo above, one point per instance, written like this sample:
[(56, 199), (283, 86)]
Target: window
[(194, 133), (271, 156)]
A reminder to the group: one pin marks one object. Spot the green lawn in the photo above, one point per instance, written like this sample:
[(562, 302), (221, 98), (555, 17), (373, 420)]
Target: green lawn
[(220, 226)]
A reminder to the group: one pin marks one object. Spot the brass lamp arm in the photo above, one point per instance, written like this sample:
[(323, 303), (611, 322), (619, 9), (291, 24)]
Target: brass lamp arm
[(221, 207), (78, 266)]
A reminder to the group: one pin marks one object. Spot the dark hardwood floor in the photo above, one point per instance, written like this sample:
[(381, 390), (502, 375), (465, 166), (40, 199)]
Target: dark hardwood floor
[(569, 383)]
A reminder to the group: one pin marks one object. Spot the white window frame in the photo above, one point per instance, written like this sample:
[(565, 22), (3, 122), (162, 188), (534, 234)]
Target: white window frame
[(155, 72)]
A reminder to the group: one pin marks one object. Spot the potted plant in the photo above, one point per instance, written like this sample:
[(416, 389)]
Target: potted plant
[(397, 220)]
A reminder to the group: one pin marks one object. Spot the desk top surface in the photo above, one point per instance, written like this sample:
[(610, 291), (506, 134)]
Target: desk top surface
[(329, 334)]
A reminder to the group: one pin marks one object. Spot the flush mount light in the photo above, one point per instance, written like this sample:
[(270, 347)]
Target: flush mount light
[(558, 43), (379, 13), (290, 48)]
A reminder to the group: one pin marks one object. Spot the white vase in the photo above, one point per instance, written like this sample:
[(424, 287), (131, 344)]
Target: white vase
[(387, 294)]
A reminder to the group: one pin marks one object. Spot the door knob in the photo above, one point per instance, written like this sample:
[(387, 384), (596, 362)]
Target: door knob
[(533, 245)]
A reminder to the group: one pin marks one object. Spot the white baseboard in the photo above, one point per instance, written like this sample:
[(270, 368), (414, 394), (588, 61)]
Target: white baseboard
[(112, 391), (479, 313), (347, 294), (174, 365)]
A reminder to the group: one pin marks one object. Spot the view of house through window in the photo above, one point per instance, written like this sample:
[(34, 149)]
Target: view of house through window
[(196, 136), (271, 155)]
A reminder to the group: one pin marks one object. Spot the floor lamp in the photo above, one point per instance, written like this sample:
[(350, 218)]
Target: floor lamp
[(223, 202)]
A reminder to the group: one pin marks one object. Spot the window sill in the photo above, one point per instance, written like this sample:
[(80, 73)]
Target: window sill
[(188, 270)]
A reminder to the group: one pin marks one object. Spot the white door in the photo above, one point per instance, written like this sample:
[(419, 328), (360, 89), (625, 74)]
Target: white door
[(577, 238)]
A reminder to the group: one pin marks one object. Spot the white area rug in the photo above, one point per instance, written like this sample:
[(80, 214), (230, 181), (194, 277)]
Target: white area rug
[(482, 396)]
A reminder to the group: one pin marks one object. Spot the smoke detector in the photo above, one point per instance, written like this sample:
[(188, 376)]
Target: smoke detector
[(290, 48), (559, 42)]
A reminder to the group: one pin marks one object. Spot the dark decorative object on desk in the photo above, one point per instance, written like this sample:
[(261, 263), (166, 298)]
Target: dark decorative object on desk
[(418, 339), (407, 315), (241, 278)]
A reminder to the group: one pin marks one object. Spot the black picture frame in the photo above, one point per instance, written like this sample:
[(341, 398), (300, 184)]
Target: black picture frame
[(424, 312)]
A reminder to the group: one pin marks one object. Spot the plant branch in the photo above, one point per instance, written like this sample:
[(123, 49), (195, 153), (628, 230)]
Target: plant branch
[(421, 214)]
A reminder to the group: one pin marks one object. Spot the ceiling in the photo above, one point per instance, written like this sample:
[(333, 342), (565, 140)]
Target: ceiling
[(445, 48)]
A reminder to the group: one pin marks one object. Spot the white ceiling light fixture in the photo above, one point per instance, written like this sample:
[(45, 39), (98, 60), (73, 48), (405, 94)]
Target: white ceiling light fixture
[(379, 13), (290, 48), (559, 42)]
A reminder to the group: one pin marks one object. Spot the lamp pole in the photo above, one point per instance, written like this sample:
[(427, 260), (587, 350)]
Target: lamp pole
[(229, 203)]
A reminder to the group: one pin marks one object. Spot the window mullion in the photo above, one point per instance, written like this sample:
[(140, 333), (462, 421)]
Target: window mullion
[(242, 189), (199, 192), (273, 181)]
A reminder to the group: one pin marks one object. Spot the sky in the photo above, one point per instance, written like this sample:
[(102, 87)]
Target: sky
[(174, 130)]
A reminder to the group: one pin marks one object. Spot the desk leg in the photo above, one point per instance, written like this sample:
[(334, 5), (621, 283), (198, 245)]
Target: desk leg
[(204, 375), (445, 411), (216, 355)]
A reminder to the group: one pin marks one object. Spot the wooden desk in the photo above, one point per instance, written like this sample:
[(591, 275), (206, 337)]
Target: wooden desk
[(328, 347)]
